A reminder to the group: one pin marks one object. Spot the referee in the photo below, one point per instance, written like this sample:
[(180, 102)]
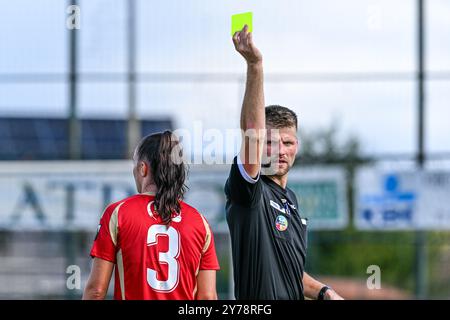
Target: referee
[(268, 234)]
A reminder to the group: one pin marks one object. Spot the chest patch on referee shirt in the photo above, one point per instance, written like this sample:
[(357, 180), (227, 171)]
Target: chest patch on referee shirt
[(275, 205), (281, 223)]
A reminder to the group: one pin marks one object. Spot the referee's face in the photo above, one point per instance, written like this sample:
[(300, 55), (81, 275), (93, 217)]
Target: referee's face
[(281, 148)]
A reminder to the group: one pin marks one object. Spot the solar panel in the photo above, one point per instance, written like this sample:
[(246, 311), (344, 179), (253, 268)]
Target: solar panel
[(47, 139)]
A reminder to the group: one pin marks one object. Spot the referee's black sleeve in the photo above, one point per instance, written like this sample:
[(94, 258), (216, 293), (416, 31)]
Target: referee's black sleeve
[(240, 187)]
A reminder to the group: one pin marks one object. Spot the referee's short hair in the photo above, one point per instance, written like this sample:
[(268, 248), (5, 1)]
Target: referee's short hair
[(280, 117)]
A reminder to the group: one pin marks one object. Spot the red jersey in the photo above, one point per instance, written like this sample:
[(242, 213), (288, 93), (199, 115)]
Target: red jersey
[(154, 260)]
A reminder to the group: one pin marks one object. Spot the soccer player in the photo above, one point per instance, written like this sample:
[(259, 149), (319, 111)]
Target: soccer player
[(268, 233), (161, 247)]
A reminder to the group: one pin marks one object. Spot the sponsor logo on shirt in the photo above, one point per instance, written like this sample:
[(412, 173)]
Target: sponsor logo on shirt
[(277, 206), (281, 223)]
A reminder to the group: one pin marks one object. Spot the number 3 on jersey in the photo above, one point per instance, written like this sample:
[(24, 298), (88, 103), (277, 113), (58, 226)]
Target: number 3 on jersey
[(169, 258)]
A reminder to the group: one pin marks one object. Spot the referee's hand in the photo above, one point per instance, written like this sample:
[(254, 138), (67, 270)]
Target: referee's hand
[(243, 43), (332, 295)]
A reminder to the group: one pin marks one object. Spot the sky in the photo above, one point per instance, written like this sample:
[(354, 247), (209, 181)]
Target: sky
[(295, 37)]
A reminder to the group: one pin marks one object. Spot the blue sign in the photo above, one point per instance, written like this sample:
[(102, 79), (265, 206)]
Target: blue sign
[(392, 207)]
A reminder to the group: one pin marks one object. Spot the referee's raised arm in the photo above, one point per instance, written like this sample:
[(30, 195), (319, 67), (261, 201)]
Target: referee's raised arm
[(252, 113)]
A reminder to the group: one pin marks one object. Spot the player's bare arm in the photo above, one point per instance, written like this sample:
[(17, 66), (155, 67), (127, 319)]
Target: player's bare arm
[(98, 282), (206, 285), (252, 113), (312, 288)]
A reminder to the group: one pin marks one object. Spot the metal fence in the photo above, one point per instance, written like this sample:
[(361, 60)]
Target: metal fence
[(33, 264)]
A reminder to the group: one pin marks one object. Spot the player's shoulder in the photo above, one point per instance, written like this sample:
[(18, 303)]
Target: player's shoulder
[(188, 209), (133, 199), (292, 194), (138, 198), (193, 214), (289, 191), (112, 206)]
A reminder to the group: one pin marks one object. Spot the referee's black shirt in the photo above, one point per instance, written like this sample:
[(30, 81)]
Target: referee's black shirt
[(268, 237)]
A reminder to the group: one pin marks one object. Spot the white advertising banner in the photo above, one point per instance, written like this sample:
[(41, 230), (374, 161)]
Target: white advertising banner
[(402, 200), (71, 195), (60, 195)]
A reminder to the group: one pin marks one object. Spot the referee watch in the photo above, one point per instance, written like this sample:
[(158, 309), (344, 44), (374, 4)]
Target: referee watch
[(322, 291)]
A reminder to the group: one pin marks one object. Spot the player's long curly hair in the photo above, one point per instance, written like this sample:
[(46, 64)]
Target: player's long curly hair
[(163, 153)]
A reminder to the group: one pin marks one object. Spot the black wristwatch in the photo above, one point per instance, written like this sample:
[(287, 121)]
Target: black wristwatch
[(322, 292)]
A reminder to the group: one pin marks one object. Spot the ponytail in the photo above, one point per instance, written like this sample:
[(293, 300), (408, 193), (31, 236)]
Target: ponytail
[(163, 153)]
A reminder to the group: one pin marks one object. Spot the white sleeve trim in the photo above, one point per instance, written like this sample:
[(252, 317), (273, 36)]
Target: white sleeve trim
[(244, 173)]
